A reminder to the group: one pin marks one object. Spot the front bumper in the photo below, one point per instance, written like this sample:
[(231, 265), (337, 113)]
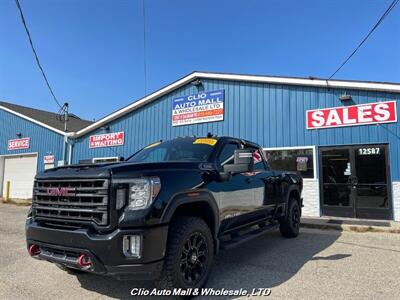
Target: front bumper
[(105, 250)]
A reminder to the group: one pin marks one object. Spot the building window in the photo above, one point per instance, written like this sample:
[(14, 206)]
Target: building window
[(300, 160)]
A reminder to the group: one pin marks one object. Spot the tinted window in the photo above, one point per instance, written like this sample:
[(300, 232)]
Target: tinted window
[(184, 149), (226, 155), (293, 160)]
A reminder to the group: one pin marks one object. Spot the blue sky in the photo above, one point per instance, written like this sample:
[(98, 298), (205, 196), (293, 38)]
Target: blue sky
[(92, 50)]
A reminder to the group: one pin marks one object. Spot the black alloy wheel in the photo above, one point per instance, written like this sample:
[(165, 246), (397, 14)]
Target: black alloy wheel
[(193, 257), (189, 254), (290, 224)]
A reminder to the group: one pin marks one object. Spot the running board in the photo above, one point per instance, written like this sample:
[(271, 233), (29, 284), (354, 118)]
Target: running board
[(247, 236)]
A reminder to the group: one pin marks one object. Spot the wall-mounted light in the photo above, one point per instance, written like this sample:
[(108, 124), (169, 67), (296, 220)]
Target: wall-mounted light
[(105, 128), (197, 82), (19, 135), (345, 97)]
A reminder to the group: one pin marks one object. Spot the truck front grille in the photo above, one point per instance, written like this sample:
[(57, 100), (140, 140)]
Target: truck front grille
[(75, 202)]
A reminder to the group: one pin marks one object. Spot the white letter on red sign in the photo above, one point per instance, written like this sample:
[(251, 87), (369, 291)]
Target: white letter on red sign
[(346, 118), (364, 114), (318, 117), (333, 117), (382, 112)]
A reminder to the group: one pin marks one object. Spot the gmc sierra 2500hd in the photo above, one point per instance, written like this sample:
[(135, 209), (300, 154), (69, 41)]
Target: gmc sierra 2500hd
[(163, 213)]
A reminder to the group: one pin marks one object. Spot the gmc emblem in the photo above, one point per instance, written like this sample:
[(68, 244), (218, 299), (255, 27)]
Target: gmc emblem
[(61, 192)]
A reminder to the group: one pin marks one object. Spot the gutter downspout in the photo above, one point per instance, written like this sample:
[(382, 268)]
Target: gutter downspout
[(69, 153)]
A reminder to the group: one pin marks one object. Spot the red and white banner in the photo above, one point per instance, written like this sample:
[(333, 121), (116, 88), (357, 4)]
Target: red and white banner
[(18, 144), (107, 140), (353, 115)]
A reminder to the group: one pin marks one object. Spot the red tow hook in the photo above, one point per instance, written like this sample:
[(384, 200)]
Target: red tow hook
[(34, 250), (84, 261)]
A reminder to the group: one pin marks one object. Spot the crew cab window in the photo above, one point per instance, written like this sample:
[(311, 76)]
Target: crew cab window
[(156, 155), (227, 153)]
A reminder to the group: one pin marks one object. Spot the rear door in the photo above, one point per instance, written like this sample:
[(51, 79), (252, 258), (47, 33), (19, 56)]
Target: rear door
[(264, 183)]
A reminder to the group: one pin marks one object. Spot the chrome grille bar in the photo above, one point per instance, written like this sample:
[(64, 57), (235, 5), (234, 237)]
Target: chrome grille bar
[(71, 201)]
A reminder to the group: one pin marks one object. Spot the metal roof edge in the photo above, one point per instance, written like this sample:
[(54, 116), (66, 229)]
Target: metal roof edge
[(316, 82), (34, 121)]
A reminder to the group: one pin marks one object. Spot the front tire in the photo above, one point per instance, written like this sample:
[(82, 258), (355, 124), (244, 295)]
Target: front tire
[(189, 255), (290, 225)]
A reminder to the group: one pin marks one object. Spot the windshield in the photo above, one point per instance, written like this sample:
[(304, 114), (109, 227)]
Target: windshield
[(184, 149)]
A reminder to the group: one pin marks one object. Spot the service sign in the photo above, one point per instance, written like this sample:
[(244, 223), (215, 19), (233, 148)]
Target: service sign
[(48, 159), (107, 140), (18, 144), (200, 108), (353, 115)]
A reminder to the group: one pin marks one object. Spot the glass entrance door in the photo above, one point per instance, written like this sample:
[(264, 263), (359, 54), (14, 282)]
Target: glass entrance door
[(354, 182), (336, 182), (371, 186)]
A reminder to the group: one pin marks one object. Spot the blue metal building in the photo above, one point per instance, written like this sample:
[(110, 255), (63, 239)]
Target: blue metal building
[(31, 140), (272, 111), (342, 136)]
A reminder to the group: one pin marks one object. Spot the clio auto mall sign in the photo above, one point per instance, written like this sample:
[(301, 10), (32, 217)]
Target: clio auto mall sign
[(353, 115), (199, 108)]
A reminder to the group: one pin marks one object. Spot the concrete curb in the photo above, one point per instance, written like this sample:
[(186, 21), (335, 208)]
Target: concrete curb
[(322, 224), (18, 202)]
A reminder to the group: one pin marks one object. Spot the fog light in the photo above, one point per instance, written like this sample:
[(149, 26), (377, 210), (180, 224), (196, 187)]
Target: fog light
[(34, 250), (132, 245), (84, 261)]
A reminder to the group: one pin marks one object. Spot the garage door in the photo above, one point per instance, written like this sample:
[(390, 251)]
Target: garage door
[(20, 171)]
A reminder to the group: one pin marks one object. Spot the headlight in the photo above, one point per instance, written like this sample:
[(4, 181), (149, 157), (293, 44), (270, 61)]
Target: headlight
[(141, 193)]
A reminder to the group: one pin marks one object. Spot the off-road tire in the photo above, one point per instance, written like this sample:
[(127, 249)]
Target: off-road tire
[(290, 224), (181, 230)]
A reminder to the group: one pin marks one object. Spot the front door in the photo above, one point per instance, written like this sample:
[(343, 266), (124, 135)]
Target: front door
[(354, 182)]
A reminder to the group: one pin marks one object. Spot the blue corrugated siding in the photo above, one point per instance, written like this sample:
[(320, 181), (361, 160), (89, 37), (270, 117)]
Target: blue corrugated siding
[(269, 114), (42, 140)]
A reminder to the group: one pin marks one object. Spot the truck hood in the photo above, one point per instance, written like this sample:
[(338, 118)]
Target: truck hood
[(120, 169), (77, 171)]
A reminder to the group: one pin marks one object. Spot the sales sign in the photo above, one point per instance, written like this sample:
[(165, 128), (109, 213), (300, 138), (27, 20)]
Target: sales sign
[(107, 140), (353, 115), (17, 144), (200, 108)]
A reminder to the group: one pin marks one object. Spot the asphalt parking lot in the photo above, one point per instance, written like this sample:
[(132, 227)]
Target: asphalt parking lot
[(316, 265)]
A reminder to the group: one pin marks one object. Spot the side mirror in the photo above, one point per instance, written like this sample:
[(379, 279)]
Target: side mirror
[(243, 162)]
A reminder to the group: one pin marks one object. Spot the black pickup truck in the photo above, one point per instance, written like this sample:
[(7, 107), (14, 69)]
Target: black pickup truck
[(163, 213)]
